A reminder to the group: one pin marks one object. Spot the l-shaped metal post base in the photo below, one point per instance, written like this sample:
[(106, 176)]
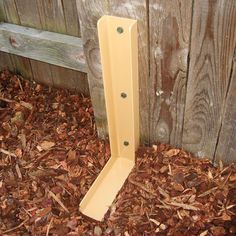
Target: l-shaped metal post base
[(119, 56)]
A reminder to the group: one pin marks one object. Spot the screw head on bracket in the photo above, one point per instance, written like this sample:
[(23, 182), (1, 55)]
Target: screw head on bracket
[(126, 143), (123, 95), (120, 30)]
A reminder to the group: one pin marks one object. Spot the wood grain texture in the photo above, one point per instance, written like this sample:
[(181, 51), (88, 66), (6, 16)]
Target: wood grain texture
[(2, 12), (53, 19), (52, 15), (212, 47), (170, 24), (53, 48), (71, 18), (226, 148), (130, 9), (19, 64), (89, 12), (38, 68), (5, 59), (30, 13)]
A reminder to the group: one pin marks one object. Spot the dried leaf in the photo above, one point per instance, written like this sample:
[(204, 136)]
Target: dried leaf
[(171, 152), (210, 176), (18, 119), (71, 155), (18, 152), (46, 145), (177, 187), (218, 230), (163, 169), (26, 105)]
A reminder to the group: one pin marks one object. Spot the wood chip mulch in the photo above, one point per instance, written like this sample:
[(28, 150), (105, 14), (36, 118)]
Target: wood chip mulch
[(50, 155)]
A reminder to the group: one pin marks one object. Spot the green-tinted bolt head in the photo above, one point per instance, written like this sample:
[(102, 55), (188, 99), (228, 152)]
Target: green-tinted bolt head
[(120, 30), (123, 95), (126, 143)]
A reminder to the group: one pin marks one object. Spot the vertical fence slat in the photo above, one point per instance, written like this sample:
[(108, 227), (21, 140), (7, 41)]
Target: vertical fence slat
[(52, 15), (49, 17), (5, 59), (226, 149), (53, 19), (89, 13), (20, 64), (170, 24), (212, 47), (31, 18), (71, 18)]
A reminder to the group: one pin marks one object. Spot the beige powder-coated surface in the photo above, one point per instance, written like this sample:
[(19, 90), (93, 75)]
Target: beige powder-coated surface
[(119, 56)]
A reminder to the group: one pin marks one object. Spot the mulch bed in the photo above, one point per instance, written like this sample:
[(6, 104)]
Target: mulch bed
[(50, 155)]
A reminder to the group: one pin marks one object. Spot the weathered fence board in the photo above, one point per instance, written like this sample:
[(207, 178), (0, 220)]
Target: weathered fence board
[(41, 71), (29, 13), (170, 24), (52, 19), (212, 47), (89, 12), (21, 65), (71, 17), (5, 59), (226, 148), (131, 9), (53, 48), (52, 15)]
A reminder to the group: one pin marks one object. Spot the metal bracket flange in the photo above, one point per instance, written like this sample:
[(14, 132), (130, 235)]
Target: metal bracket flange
[(119, 56)]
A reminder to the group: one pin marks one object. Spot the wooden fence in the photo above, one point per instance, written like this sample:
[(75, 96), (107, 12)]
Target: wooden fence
[(187, 64)]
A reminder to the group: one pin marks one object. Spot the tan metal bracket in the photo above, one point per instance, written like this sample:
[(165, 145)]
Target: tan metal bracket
[(119, 56)]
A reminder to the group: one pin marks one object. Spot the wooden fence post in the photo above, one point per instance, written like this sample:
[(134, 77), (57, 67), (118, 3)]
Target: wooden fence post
[(89, 13), (226, 149), (212, 48), (170, 25)]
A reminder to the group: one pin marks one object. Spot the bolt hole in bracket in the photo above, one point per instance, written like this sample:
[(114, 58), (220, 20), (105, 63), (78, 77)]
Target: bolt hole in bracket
[(119, 56)]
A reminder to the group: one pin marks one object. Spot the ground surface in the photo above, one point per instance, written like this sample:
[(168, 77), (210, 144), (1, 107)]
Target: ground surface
[(50, 155)]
